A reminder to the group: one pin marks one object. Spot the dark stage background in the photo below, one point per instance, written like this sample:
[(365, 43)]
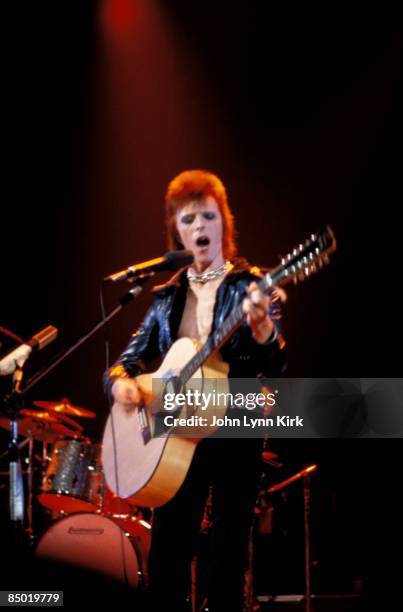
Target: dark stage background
[(296, 108)]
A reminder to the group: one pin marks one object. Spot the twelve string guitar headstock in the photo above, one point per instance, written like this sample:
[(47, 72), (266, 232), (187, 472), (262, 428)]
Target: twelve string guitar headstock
[(308, 258)]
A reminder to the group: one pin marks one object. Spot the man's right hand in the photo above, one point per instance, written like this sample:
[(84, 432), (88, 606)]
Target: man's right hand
[(126, 391)]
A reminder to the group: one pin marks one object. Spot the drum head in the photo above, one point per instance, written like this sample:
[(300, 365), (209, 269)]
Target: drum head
[(92, 542)]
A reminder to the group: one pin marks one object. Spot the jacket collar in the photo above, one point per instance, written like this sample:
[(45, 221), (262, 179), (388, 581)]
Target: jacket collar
[(179, 279)]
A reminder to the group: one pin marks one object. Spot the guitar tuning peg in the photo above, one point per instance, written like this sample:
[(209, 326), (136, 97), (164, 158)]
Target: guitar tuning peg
[(301, 248), (312, 268)]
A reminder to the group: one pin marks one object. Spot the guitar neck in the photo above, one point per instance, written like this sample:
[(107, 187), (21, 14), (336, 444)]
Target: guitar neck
[(212, 344), (220, 336)]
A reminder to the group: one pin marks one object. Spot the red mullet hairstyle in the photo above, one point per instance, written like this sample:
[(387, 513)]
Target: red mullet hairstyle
[(196, 185)]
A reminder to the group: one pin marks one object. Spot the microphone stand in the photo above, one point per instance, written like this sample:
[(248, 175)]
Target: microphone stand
[(13, 404), (128, 297), (307, 507), (305, 475)]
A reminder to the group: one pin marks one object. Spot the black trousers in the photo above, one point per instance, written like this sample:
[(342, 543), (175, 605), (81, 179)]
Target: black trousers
[(232, 468)]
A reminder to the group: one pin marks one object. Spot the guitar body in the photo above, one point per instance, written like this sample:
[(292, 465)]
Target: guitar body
[(150, 470)]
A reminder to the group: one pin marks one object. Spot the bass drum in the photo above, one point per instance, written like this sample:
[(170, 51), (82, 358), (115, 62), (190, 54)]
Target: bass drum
[(95, 543)]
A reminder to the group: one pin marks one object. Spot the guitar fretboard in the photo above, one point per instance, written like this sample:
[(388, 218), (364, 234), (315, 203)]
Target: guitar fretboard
[(218, 338)]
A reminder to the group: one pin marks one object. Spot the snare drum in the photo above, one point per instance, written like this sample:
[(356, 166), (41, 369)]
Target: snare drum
[(95, 543), (74, 480)]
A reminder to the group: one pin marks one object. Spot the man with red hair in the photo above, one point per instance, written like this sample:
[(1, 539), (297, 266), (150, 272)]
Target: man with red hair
[(194, 303)]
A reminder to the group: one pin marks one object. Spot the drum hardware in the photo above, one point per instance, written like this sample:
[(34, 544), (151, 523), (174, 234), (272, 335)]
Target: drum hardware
[(13, 404), (5, 424), (29, 529), (6, 473)]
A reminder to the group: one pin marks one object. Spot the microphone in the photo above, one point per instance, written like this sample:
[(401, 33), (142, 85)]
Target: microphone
[(18, 356), (173, 260)]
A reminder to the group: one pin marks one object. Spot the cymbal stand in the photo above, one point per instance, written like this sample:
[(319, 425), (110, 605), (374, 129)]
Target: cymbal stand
[(29, 529), (16, 487)]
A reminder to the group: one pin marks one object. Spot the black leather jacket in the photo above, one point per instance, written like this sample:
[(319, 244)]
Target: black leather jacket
[(158, 331)]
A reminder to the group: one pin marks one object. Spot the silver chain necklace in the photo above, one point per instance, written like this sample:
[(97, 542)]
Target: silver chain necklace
[(210, 275)]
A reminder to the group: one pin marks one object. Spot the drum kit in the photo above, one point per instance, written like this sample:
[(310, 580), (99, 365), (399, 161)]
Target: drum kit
[(90, 526)]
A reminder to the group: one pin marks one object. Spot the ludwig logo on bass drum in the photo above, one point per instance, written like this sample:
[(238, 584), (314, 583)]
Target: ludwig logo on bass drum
[(85, 531)]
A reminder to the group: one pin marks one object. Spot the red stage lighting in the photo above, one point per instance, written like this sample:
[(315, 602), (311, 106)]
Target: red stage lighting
[(118, 16)]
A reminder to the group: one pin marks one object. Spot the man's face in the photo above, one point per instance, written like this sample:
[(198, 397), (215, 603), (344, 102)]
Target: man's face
[(200, 228)]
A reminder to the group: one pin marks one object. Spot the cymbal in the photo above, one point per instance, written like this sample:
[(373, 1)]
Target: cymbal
[(51, 418), (64, 406), (41, 429), (43, 417), (70, 422)]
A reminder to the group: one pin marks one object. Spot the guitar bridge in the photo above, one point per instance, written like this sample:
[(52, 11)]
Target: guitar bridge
[(143, 423)]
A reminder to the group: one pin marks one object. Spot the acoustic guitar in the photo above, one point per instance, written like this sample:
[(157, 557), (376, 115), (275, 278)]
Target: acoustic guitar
[(147, 463)]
